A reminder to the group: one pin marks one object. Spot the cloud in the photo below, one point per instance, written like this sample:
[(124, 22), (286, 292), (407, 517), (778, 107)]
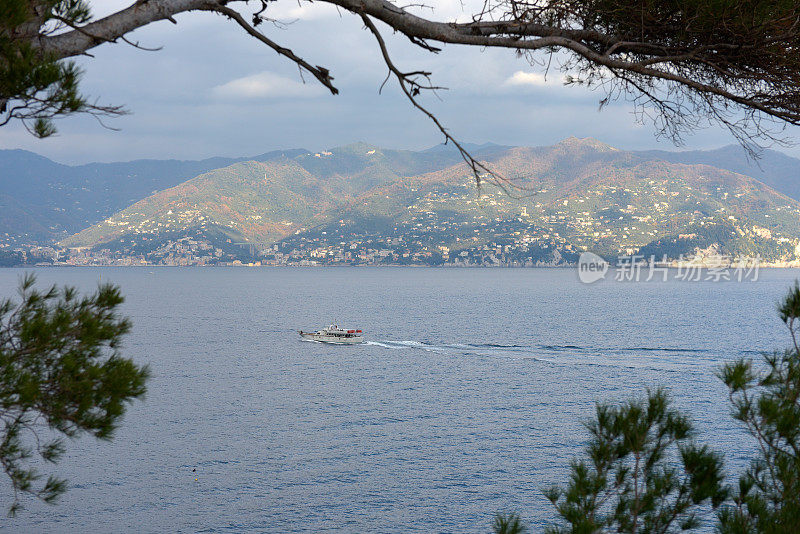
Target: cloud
[(532, 79), (441, 10), (213, 73), (448, 10), (266, 85), (290, 11)]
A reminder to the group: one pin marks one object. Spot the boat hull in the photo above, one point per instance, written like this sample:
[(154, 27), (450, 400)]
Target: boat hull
[(333, 340)]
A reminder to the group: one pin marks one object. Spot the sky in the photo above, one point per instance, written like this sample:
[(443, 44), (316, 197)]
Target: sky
[(212, 90)]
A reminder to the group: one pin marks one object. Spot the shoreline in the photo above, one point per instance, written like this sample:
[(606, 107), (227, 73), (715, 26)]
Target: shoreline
[(770, 265)]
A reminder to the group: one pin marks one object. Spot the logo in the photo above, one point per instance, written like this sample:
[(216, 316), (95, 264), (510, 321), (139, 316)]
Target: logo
[(591, 267)]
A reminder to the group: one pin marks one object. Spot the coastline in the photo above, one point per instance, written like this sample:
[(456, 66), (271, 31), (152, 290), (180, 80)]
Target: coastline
[(671, 266)]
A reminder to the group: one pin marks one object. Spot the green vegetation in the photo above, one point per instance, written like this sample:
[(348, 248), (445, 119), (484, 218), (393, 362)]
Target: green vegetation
[(508, 524), (644, 471), (61, 376), (10, 259), (765, 401), (35, 87), (577, 195)]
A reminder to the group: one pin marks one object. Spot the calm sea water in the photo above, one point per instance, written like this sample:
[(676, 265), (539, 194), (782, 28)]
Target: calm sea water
[(468, 399)]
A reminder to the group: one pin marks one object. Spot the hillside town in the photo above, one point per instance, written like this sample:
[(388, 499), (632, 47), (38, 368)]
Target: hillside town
[(526, 252), (658, 210), (450, 226)]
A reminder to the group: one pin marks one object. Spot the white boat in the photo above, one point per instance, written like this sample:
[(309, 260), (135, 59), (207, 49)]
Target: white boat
[(336, 335)]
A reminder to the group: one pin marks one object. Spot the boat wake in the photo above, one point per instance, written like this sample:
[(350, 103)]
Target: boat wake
[(386, 345), (655, 358), (304, 340)]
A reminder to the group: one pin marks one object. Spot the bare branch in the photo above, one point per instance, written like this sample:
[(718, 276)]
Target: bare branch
[(320, 73), (411, 87), (690, 68)]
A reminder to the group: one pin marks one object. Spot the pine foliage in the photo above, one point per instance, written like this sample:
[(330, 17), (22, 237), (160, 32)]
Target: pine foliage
[(61, 376)]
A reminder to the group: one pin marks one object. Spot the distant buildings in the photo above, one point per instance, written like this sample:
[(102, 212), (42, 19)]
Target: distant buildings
[(453, 227)]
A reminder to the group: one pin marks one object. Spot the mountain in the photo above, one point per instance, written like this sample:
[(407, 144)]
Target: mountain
[(43, 201), (357, 167), (777, 170), (576, 195), (358, 203), (260, 201), (52, 200), (245, 201)]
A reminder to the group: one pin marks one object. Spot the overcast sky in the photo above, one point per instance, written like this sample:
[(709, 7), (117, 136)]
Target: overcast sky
[(214, 91)]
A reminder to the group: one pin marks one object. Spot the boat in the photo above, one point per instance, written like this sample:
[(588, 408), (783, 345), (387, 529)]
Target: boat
[(334, 334)]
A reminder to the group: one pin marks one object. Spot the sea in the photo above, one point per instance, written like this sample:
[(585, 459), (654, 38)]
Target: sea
[(469, 397)]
